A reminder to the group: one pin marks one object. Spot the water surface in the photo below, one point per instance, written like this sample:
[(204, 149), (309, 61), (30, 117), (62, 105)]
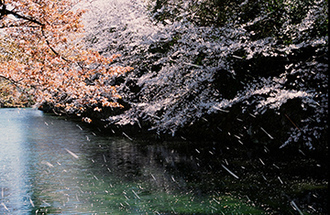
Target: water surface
[(49, 165)]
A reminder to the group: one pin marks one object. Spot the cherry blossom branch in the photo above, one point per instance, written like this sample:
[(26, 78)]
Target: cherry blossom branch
[(4, 12), (16, 83)]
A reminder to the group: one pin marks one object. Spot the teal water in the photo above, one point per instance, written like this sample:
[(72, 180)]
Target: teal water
[(49, 165)]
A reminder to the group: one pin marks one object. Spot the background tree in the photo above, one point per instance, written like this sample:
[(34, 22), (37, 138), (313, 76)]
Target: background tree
[(256, 70), (41, 51)]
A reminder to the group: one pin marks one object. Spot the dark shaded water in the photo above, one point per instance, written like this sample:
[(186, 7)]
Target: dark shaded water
[(52, 166)]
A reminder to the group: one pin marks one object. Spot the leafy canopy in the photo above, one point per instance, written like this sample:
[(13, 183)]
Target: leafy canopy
[(41, 52)]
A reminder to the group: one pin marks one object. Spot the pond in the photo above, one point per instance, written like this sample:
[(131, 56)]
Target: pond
[(50, 165)]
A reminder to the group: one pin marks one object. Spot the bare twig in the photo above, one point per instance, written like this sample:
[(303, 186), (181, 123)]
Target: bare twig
[(292, 122)]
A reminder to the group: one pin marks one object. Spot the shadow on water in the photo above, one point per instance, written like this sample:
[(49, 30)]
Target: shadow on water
[(53, 166)]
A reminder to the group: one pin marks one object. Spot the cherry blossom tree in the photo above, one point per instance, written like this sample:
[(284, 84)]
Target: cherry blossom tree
[(41, 52), (208, 64)]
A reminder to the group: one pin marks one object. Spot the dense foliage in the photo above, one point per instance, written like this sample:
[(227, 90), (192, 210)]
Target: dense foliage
[(247, 71)]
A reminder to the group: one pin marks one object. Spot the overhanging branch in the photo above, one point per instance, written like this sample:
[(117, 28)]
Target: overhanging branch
[(15, 83), (4, 12)]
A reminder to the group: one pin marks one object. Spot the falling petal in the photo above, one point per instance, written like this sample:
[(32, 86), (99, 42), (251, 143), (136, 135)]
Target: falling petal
[(127, 136), (3, 204), (296, 207), (173, 178), (31, 202), (230, 171), (79, 127), (261, 161), (47, 163), (270, 136), (71, 153), (280, 179), (136, 194)]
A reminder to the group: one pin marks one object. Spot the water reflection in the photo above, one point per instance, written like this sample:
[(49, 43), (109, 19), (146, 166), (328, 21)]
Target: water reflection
[(15, 189), (52, 166)]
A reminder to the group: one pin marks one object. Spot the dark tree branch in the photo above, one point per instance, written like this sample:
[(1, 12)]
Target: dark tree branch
[(4, 12), (15, 83), (51, 48)]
